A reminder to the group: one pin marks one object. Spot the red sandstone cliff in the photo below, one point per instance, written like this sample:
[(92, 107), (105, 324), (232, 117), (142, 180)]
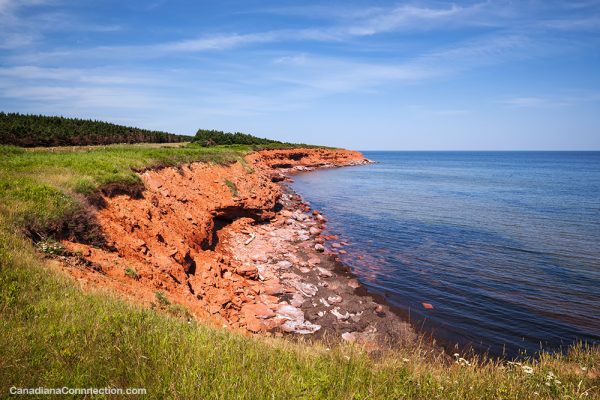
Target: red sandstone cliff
[(189, 236)]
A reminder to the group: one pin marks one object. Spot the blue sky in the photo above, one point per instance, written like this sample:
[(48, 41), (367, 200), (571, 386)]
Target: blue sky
[(427, 75)]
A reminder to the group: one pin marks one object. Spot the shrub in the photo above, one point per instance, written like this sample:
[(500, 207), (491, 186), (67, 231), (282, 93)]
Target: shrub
[(132, 273)]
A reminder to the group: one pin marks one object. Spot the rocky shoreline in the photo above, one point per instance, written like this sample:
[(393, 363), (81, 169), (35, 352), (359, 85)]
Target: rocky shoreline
[(317, 296), (236, 247)]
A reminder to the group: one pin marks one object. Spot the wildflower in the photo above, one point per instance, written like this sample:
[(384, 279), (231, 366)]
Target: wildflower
[(527, 369), (405, 360), (462, 361), (584, 368)]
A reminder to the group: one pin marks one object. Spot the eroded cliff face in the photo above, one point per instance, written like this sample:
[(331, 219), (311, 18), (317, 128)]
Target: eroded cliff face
[(227, 244), (168, 240), (307, 158)]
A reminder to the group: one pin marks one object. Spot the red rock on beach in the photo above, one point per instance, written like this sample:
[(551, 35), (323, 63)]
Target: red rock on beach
[(258, 310)]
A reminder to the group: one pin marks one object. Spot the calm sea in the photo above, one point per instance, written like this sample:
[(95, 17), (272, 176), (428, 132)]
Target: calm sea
[(504, 245)]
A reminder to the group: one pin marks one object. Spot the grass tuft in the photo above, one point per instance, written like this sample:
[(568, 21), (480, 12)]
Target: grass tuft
[(132, 273), (232, 187), (162, 299)]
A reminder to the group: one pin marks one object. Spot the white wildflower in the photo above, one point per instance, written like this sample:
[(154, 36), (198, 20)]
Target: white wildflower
[(462, 361), (527, 369)]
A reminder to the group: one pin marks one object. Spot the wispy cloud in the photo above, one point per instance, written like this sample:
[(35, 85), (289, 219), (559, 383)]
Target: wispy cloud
[(408, 18), (99, 76), (590, 24), (350, 24), (337, 75), (530, 102), (219, 42), (554, 101), (21, 25)]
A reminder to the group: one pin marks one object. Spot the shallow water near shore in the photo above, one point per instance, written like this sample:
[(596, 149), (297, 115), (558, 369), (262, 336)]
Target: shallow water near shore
[(504, 245)]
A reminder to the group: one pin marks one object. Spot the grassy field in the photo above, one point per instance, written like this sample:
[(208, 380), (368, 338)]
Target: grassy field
[(55, 335)]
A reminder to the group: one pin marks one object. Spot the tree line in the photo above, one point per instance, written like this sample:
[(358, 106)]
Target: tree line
[(207, 137), (39, 130)]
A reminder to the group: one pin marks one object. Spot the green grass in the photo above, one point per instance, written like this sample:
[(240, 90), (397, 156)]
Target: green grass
[(54, 335)]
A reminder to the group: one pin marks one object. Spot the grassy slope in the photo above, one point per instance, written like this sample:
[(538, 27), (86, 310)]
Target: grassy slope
[(54, 335)]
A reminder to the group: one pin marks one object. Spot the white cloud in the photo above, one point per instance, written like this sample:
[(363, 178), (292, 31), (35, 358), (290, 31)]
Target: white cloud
[(337, 75), (553, 101), (92, 75), (14, 40), (590, 24), (405, 17), (330, 75), (21, 26), (527, 101), (80, 97), (219, 42)]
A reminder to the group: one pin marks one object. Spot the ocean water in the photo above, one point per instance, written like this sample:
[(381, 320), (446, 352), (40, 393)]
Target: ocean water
[(504, 245)]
